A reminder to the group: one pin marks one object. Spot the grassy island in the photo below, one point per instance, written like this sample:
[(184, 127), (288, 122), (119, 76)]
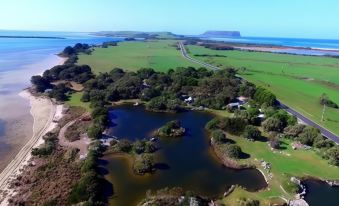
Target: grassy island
[(171, 129)]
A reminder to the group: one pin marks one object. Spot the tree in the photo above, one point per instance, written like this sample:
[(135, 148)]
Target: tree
[(325, 100), (294, 130), (218, 136), (309, 135), (139, 146), (59, 92), (94, 131), (272, 124), (251, 132), (40, 83), (171, 129), (274, 143), (144, 164), (124, 146), (264, 96), (232, 151), (145, 73), (232, 125), (213, 124), (68, 51), (332, 155)]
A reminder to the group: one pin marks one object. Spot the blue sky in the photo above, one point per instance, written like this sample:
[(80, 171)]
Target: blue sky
[(276, 18)]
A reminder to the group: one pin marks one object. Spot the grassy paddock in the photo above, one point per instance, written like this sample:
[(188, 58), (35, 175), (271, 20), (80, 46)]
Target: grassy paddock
[(298, 81), (75, 100), (159, 55)]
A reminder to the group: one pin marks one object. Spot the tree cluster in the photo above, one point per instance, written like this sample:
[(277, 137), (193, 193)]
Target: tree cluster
[(171, 129), (325, 100), (164, 91), (88, 190), (277, 120), (50, 144), (100, 120), (262, 96), (77, 48), (108, 44)]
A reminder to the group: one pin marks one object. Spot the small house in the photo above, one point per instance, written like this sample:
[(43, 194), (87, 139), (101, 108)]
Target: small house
[(189, 100), (261, 116), (234, 105), (242, 100)]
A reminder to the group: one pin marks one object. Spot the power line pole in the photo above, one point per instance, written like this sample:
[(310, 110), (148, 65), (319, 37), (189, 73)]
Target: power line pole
[(322, 116)]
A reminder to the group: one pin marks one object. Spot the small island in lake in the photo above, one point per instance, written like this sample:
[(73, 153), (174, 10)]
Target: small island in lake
[(171, 129)]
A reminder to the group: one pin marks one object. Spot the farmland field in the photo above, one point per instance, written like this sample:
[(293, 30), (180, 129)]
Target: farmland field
[(159, 55), (298, 81)]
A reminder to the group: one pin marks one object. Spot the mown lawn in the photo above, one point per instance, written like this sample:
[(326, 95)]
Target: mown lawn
[(160, 55), (297, 81), (285, 163)]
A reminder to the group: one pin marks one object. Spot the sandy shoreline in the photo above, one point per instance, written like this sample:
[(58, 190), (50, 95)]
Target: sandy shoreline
[(43, 112)]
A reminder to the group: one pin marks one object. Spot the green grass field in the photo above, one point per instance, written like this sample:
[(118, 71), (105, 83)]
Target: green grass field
[(159, 55), (297, 81), (284, 164), (75, 101)]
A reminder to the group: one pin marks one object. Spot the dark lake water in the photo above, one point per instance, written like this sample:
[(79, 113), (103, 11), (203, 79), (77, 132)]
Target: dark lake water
[(321, 194), (185, 162)]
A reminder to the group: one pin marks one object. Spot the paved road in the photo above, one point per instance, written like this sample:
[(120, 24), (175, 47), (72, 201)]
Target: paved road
[(328, 134)]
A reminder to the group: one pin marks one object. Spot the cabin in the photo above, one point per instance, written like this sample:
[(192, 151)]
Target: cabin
[(299, 145), (261, 116), (238, 102), (242, 100), (188, 99), (234, 105)]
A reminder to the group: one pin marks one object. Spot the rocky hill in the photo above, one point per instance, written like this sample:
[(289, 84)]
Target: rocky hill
[(221, 34)]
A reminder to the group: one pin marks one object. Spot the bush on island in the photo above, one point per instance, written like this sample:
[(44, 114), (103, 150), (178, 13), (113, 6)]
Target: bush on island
[(171, 129)]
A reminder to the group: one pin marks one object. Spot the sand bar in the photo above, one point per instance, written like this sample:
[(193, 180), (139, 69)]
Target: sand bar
[(43, 112)]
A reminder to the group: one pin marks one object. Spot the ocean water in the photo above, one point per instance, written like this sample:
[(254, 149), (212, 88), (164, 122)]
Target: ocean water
[(325, 44), (20, 58)]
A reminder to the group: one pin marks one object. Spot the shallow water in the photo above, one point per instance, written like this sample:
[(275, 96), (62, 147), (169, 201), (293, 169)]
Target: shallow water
[(21, 58), (325, 44), (185, 162)]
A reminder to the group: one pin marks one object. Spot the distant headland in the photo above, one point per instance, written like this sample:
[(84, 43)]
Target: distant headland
[(221, 34)]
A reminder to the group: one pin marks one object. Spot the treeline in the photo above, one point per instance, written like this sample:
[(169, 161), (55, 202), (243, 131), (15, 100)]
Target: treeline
[(89, 189), (69, 71), (77, 48), (165, 91), (209, 44), (108, 44)]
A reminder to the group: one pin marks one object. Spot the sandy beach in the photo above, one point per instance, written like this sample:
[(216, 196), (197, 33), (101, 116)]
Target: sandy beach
[(44, 114), (16, 120)]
